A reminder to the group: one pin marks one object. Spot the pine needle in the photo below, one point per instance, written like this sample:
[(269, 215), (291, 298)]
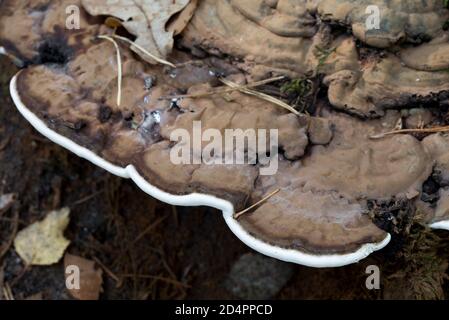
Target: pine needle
[(118, 281), (119, 67), (423, 130), (239, 214), (152, 56), (260, 95), (7, 292), (223, 89)]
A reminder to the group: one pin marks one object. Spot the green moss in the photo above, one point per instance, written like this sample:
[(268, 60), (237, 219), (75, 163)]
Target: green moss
[(300, 87), (298, 93)]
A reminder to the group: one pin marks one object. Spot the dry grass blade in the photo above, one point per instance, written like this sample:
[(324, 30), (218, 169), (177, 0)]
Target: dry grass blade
[(223, 90), (152, 56), (86, 198), (239, 214), (7, 292), (148, 229), (424, 130), (260, 95), (119, 67)]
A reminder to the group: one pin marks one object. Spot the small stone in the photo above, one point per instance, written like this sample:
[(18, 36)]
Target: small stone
[(256, 277)]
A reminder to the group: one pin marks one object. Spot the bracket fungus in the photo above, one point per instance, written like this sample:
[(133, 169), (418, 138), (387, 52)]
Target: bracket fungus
[(398, 20), (329, 167)]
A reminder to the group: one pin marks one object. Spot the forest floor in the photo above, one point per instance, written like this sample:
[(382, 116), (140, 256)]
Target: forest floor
[(150, 250)]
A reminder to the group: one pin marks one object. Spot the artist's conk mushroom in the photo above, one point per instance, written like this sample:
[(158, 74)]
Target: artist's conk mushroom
[(104, 97)]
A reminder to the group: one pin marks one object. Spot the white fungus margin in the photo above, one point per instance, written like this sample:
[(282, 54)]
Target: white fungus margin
[(196, 199)]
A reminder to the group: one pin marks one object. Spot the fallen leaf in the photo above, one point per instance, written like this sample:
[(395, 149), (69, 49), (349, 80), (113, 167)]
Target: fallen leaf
[(43, 242), (90, 278), (6, 201), (182, 19), (145, 19)]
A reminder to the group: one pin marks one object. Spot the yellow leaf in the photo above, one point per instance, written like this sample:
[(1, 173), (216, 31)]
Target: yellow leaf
[(43, 242)]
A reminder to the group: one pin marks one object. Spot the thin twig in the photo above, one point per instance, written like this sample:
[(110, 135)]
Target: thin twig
[(261, 96), (424, 130), (168, 280), (118, 281), (24, 270), (119, 67), (239, 214), (148, 229), (87, 198), (222, 90), (4, 143), (152, 56)]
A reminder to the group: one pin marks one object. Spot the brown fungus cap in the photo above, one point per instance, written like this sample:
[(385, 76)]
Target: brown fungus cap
[(399, 20), (122, 144), (36, 31), (364, 86), (251, 30), (367, 86), (329, 166)]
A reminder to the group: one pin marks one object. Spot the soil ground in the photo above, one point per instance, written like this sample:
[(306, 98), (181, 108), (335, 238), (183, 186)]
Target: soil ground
[(159, 251)]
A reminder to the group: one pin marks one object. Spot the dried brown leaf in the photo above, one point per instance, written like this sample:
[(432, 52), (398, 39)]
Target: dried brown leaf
[(181, 20), (90, 278), (145, 19)]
